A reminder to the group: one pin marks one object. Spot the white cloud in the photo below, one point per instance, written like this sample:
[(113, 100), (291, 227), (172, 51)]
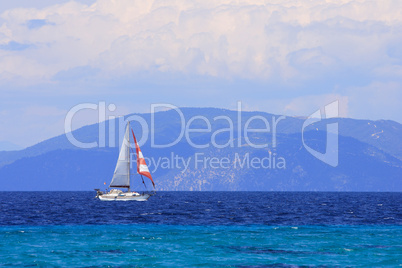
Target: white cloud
[(280, 56), (247, 39)]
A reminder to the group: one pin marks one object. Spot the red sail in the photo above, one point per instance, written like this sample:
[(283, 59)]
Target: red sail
[(142, 167)]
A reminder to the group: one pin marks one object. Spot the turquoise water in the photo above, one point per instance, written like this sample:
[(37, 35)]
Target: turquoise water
[(201, 246), (202, 229)]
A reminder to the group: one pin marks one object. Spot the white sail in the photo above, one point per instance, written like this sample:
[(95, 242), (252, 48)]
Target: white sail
[(121, 177)]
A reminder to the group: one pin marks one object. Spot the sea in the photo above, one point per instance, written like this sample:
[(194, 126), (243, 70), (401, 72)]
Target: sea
[(202, 229)]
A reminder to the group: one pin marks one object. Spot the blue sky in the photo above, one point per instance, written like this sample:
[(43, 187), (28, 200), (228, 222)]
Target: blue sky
[(285, 57)]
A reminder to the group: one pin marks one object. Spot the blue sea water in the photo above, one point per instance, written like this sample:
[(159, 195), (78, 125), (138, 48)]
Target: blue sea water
[(202, 229)]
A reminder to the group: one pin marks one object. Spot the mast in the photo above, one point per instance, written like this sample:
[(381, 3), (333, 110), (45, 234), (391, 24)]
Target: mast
[(129, 156), (121, 176)]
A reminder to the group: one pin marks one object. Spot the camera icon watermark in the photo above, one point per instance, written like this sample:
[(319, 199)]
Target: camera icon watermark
[(331, 154)]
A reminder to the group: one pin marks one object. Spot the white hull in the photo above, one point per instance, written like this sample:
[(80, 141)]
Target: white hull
[(121, 176), (132, 196)]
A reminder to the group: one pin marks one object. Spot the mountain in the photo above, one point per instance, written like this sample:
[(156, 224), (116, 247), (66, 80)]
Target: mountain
[(9, 146), (370, 154)]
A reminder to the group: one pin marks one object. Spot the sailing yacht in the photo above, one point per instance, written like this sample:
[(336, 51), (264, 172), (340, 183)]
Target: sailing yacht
[(122, 175)]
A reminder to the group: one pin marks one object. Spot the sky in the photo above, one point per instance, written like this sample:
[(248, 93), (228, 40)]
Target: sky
[(286, 57)]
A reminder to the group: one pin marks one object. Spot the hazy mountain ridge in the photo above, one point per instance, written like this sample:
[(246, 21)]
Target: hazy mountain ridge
[(369, 160), (384, 135), (361, 167), (9, 146)]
